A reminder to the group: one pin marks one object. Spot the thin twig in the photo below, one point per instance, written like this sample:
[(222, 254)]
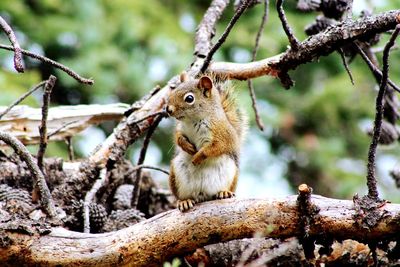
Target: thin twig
[(371, 177), (294, 43), (254, 54), (62, 127), (346, 66), (68, 141), (136, 188), (245, 4), (159, 113), (374, 69), (20, 149), (18, 65), (90, 197), (259, 122), (19, 100), (43, 126), (46, 60), (142, 166)]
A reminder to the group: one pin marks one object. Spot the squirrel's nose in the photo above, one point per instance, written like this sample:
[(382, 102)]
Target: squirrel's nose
[(170, 109)]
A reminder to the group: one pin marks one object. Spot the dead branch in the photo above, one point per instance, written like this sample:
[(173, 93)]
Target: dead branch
[(346, 65), (318, 45), (174, 233), (253, 57), (374, 69), (371, 178), (43, 125), (63, 121), (294, 42), (21, 98), (39, 180), (142, 156), (57, 65)]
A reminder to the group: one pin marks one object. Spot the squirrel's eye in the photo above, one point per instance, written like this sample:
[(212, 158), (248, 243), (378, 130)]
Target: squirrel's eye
[(189, 98)]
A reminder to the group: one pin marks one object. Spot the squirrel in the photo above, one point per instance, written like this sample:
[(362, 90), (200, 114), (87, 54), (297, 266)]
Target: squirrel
[(209, 131)]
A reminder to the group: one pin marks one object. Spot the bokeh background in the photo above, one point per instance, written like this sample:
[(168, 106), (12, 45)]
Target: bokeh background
[(315, 132)]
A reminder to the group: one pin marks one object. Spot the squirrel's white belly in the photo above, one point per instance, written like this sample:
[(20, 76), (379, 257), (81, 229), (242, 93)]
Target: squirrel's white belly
[(204, 181)]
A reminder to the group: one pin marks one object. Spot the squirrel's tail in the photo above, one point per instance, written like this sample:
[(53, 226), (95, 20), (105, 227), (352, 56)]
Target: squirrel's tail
[(236, 116)]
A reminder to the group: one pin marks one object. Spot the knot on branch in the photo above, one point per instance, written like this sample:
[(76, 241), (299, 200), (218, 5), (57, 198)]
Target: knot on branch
[(285, 79), (368, 211), (307, 212)]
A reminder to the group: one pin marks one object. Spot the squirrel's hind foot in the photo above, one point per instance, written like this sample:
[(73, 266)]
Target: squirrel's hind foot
[(224, 194), (184, 205)]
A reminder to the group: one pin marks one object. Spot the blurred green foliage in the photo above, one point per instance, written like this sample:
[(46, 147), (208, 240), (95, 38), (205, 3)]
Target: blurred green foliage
[(127, 47)]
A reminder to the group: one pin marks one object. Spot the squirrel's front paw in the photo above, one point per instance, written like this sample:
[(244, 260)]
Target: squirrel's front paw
[(224, 194), (184, 205), (198, 158), (186, 145)]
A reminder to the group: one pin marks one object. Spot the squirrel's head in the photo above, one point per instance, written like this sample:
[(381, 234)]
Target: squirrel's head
[(192, 99)]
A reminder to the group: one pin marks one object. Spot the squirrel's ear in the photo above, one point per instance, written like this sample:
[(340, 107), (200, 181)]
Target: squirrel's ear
[(206, 84), (184, 76)]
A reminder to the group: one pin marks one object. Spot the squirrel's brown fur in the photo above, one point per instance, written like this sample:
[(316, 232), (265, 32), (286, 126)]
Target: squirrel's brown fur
[(208, 135)]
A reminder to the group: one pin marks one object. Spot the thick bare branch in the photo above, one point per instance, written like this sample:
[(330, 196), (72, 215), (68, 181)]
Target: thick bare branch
[(318, 45), (173, 233)]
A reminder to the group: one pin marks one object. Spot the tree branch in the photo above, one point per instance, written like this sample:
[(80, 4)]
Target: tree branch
[(253, 57), (173, 233), (57, 65), (318, 45), (39, 180), (17, 49), (142, 156), (43, 125), (294, 43), (371, 178), (21, 98)]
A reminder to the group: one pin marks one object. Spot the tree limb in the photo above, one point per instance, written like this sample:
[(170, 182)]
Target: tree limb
[(321, 44), (171, 233)]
